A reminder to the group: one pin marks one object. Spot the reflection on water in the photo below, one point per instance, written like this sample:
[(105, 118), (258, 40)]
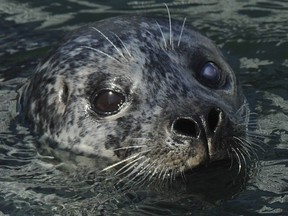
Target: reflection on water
[(253, 35)]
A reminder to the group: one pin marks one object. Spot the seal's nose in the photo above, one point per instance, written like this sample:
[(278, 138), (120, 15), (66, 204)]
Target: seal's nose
[(199, 134), (214, 120), (206, 125)]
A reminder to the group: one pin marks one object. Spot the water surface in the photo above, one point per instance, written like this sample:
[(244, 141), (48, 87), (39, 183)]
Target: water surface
[(252, 34)]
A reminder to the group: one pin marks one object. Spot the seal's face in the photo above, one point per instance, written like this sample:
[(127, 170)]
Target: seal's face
[(133, 90)]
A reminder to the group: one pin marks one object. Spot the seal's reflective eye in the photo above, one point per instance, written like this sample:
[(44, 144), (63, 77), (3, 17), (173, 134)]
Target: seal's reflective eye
[(210, 75), (108, 102)]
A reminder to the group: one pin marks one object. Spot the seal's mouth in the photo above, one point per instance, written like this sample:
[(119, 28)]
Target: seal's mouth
[(158, 162), (164, 163)]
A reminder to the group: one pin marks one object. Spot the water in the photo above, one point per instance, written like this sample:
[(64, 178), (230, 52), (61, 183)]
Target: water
[(254, 38)]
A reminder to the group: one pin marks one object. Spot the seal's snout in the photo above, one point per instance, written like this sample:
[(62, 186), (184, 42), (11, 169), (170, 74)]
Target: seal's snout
[(202, 132), (207, 125)]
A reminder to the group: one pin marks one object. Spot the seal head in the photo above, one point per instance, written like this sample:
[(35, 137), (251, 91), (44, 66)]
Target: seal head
[(157, 97)]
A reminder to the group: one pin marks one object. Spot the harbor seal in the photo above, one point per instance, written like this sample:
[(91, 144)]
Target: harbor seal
[(152, 95)]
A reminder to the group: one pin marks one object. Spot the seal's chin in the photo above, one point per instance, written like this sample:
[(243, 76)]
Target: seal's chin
[(202, 159), (191, 155), (194, 162)]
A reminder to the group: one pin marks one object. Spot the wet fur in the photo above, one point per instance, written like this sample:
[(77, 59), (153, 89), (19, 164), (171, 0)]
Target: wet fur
[(150, 60)]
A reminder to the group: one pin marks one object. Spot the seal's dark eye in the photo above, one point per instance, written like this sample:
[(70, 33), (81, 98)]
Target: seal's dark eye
[(210, 75), (108, 102)]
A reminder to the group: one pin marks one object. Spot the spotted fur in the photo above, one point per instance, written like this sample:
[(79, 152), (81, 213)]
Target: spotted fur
[(153, 61)]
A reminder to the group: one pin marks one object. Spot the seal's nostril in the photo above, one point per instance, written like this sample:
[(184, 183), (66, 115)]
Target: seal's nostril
[(214, 117), (63, 94), (186, 127)]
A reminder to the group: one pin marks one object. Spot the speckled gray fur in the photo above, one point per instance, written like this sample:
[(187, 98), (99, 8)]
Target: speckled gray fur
[(158, 79)]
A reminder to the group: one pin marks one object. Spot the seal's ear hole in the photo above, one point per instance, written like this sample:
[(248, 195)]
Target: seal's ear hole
[(64, 92)]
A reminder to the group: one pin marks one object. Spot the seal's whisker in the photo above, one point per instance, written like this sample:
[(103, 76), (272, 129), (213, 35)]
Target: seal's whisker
[(134, 171), (162, 34), (123, 169), (182, 174), (141, 138), (257, 135), (244, 113), (123, 44), (243, 157), (161, 168), (252, 126), (160, 173), (141, 181), (252, 118), (245, 143), (170, 26), (120, 162), (100, 32), (244, 161), (256, 145), (126, 183), (128, 166), (253, 114), (165, 173), (154, 169), (248, 153), (238, 159), (231, 157), (246, 150), (101, 52), (172, 176), (148, 32), (129, 147), (254, 141), (242, 107), (150, 181), (180, 36)]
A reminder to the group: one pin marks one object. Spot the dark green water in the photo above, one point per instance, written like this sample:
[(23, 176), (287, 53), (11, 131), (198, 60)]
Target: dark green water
[(254, 38)]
